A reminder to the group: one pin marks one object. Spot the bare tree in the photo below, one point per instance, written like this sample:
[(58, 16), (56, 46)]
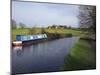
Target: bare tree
[(87, 17), (21, 25), (13, 24)]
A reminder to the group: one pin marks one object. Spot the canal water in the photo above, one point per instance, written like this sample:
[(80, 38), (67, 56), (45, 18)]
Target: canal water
[(43, 57)]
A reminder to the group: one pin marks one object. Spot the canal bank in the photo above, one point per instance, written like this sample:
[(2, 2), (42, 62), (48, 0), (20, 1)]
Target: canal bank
[(82, 56)]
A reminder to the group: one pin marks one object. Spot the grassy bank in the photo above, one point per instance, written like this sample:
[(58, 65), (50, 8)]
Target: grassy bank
[(81, 57), (62, 32)]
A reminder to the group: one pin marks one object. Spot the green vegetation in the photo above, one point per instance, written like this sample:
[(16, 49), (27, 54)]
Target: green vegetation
[(19, 31), (81, 57), (62, 32)]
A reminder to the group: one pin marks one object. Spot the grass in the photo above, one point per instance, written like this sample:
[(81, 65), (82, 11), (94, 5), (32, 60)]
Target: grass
[(63, 32), (81, 57), (19, 32), (83, 51)]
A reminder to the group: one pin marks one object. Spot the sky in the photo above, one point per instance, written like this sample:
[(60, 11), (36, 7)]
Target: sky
[(34, 14)]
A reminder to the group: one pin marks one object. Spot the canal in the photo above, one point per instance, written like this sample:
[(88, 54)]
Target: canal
[(43, 57)]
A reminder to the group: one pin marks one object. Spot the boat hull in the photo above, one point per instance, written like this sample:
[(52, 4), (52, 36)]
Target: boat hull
[(29, 42), (17, 43)]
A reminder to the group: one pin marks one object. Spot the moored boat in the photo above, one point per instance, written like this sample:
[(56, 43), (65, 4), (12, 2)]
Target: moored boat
[(28, 39)]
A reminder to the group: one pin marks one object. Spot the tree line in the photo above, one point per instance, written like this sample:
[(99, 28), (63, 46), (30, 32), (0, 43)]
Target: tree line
[(22, 25), (14, 25)]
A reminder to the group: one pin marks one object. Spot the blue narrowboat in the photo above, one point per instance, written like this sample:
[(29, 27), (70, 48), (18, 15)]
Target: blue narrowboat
[(28, 39)]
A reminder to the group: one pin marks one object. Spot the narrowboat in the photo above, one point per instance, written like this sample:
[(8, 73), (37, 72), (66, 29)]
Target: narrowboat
[(29, 39)]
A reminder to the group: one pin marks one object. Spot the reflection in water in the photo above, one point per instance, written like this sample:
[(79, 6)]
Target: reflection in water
[(42, 57), (18, 50)]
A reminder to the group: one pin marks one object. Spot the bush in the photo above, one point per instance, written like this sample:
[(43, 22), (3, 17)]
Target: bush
[(53, 36), (69, 35)]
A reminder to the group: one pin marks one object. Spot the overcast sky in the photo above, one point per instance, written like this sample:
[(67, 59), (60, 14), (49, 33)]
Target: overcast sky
[(44, 14)]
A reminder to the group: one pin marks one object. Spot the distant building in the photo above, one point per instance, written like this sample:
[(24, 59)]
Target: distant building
[(57, 26)]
